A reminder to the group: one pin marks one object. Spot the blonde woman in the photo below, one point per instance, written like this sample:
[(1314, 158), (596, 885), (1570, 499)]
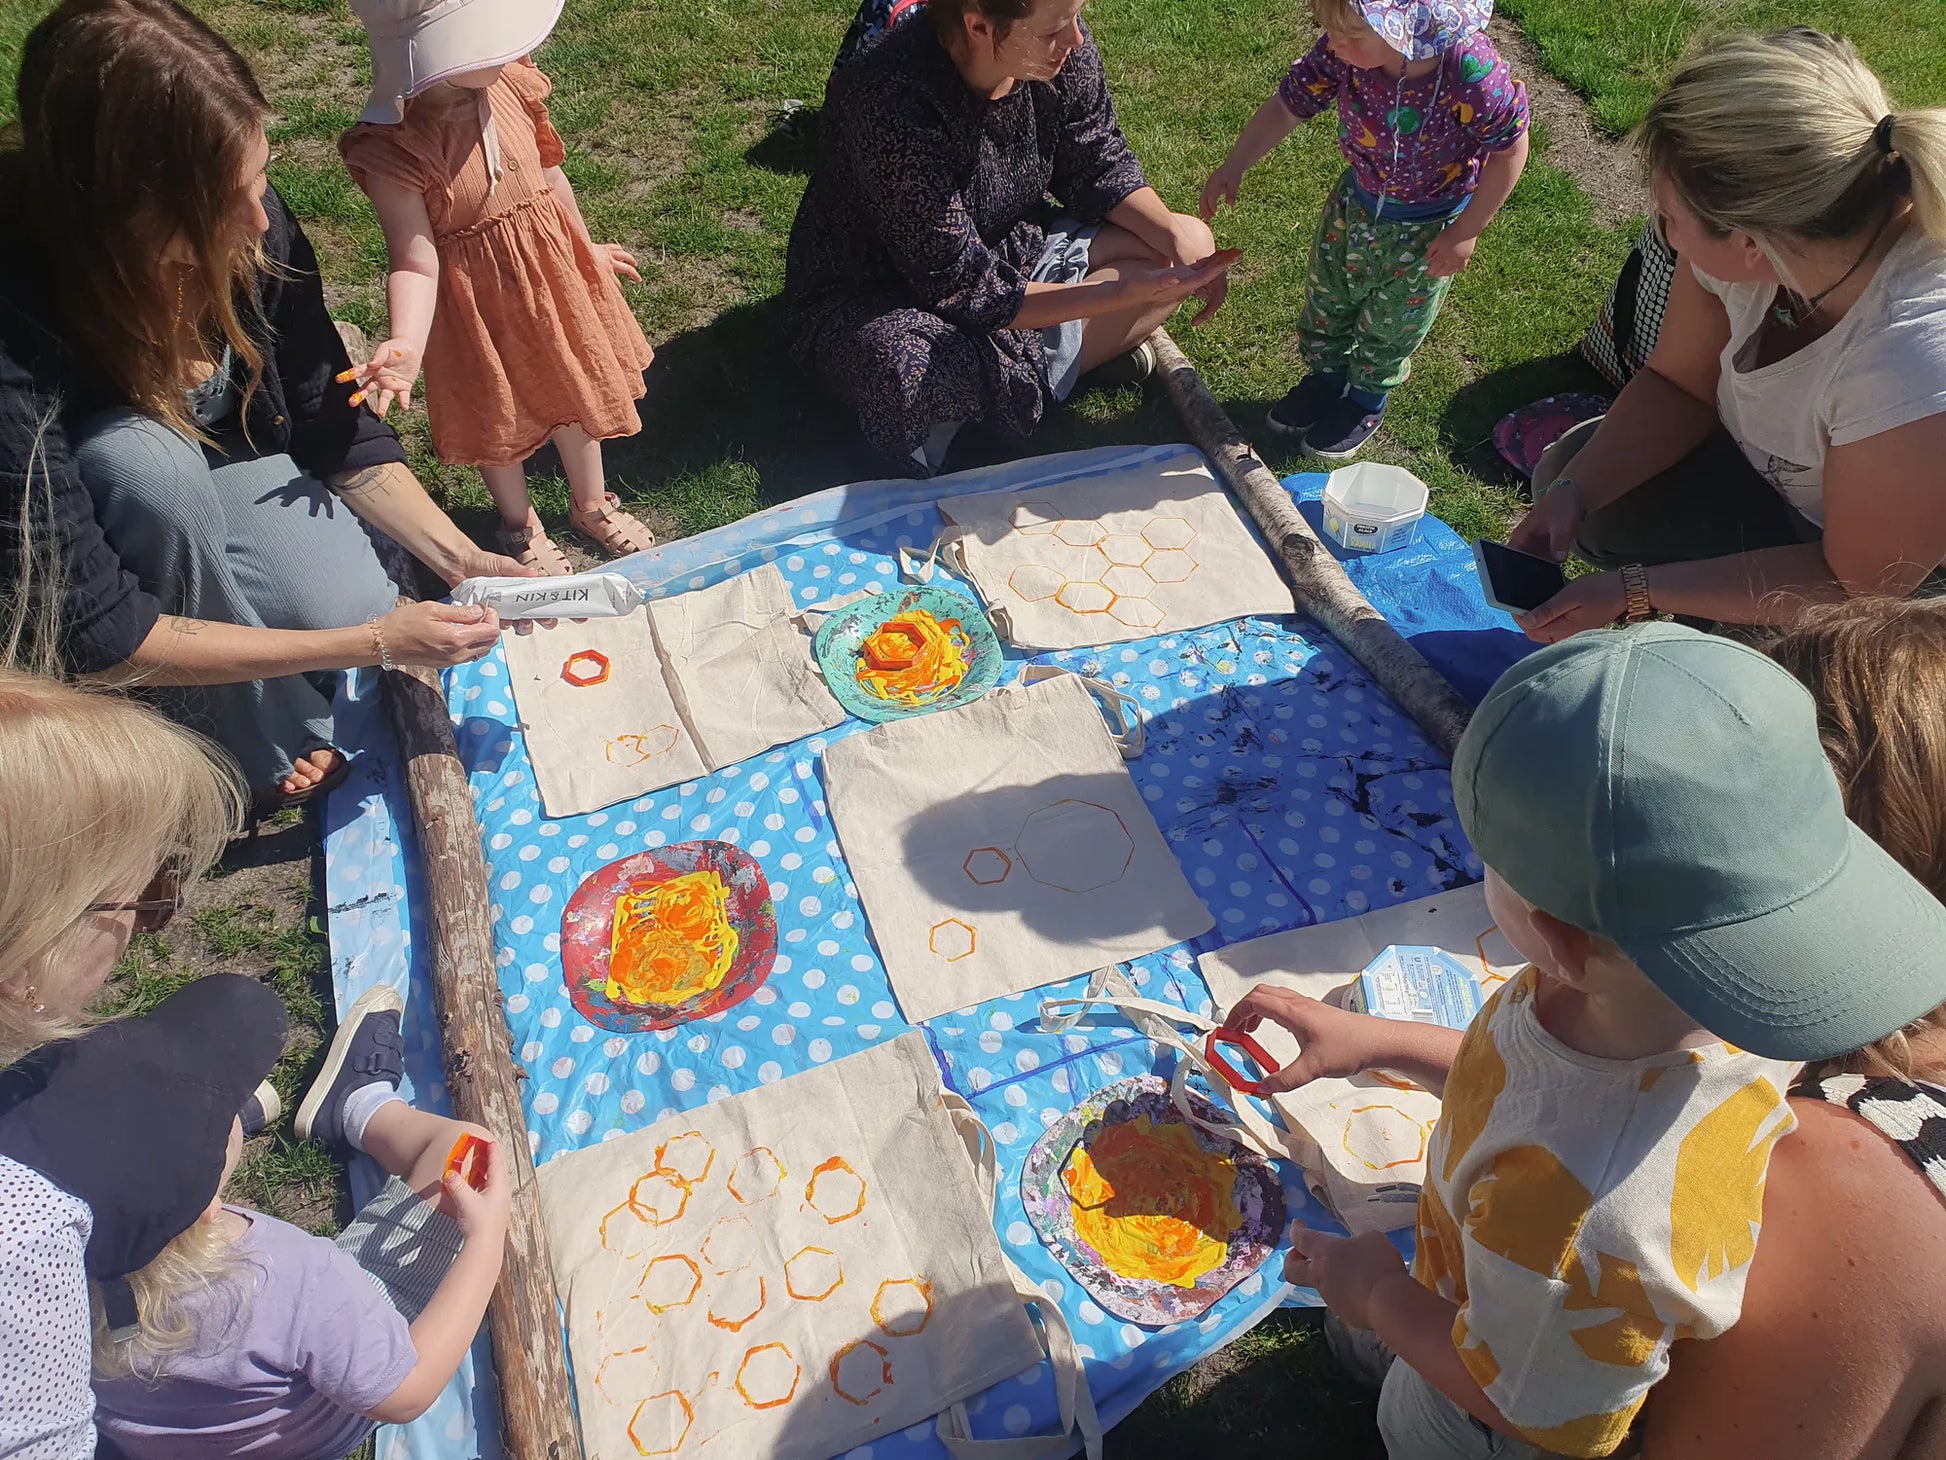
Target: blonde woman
[(1841, 1351), (1786, 444), (106, 811), (170, 422)]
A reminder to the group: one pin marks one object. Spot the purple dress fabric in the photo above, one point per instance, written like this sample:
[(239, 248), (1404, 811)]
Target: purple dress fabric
[(921, 224)]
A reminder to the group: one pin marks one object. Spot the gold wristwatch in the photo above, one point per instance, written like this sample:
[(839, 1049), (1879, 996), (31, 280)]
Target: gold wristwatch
[(1635, 594)]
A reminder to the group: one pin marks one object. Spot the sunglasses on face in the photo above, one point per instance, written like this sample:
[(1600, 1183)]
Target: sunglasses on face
[(160, 901)]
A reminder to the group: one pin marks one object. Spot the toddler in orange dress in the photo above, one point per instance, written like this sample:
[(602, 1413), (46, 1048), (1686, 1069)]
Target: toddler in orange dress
[(496, 286)]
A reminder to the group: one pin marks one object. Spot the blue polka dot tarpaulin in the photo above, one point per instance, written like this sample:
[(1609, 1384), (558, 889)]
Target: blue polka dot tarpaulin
[(1290, 788)]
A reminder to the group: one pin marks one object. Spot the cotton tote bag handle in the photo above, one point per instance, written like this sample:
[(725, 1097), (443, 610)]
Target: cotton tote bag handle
[(1077, 1405), (1128, 730)]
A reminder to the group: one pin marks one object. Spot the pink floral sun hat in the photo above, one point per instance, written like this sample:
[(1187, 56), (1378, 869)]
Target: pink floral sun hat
[(1422, 29)]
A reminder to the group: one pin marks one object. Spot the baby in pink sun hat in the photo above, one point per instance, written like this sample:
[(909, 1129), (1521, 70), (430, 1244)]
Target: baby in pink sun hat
[(1433, 127)]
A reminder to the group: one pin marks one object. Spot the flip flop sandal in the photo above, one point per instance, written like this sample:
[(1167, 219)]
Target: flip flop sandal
[(267, 803), (531, 547), (614, 531)]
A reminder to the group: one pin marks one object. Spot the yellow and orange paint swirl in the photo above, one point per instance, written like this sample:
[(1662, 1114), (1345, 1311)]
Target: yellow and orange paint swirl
[(1152, 1202), (913, 658), (673, 940)]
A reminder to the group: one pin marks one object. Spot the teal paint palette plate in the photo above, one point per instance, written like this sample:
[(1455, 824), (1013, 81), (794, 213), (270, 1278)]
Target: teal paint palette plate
[(841, 640)]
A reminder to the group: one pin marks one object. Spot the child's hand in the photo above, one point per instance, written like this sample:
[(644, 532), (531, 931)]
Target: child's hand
[(1346, 1271), (481, 1215), (1223, 187), (1449, 255), (1335, 1042), (619, 259), (386, 377)]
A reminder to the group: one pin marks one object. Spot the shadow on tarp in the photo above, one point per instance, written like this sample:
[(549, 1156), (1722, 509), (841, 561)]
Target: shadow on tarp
[(1429, 591)]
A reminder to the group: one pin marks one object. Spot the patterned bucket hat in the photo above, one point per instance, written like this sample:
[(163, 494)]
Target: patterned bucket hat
[(1421, 29)]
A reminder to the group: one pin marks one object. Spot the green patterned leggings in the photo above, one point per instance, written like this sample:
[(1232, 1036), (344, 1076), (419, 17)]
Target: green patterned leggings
[(1370, 302)]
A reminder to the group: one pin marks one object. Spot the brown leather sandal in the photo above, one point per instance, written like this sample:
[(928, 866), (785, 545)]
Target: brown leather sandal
[(531, 547), (614, 531)]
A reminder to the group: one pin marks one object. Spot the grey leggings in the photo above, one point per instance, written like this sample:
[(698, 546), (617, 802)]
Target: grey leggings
[(250, 541)]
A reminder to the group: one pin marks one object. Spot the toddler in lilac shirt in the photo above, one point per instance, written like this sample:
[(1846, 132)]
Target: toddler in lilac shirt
[(1434, 127)]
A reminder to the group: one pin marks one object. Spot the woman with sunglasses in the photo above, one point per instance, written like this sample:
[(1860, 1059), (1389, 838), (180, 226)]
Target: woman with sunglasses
[(106, 810), (925, 285), (1786, 444)]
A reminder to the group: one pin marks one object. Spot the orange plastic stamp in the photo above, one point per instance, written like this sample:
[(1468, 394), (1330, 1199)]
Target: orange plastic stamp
[(1232, 1076), (468, 1161), (584, 668)]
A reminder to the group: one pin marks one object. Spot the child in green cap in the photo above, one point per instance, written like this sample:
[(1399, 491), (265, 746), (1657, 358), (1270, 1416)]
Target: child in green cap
[(1666, 843)]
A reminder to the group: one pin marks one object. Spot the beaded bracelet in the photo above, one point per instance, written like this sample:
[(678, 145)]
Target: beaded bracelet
[(378, 643)]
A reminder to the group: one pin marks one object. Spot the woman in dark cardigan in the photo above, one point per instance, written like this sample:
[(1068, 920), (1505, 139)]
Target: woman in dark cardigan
[(185, 484), (922, 288)]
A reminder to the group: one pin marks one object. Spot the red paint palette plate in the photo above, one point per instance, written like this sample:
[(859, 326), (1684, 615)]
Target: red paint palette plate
[(588, 930)]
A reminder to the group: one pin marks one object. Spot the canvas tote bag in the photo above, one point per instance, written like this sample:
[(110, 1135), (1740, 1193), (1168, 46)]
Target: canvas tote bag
[(615, 708), (1362, 1142), (1001, 845), (1153, 550), (794, 1270)]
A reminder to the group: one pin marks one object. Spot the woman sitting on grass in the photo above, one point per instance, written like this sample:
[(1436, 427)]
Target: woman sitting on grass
[(1786, 444), (1841, 1351), (106, 810), (921, 288), (171, 435)]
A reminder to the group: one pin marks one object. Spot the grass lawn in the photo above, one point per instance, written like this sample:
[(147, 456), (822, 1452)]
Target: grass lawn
[(1616, 53), (669, 108)]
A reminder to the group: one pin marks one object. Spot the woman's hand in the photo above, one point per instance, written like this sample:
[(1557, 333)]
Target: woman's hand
[(1593, 602), (439, 635), (386, 377), (1224, 186), (1336, 1043), (1550, 526), (618, 259), (1190, 243), (1346, 1271), (1449, 255), (477, 562), (1172, 283)]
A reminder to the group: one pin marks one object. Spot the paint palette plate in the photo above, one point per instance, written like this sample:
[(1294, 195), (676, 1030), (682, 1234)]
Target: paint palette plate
[(842, 636), (1184, 1215), (588, 934)]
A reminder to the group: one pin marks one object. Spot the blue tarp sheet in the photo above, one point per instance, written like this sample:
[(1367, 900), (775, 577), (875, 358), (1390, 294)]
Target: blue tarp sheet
[(1289, 786)]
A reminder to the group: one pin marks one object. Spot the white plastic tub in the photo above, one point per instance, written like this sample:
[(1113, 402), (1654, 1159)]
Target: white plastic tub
[(1373, 508)]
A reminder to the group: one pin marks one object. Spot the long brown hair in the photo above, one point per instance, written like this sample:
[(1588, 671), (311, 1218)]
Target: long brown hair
[(1877, 669), (135, 121)]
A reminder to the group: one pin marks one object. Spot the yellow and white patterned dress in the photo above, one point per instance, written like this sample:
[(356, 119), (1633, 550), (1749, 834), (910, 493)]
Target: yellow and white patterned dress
[(1586, 1213)]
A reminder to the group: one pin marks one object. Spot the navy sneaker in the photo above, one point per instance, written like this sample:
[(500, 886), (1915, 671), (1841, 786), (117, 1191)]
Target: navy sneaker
[(1341, 431), (1301, 406), (261, 1110), (366, 1050)]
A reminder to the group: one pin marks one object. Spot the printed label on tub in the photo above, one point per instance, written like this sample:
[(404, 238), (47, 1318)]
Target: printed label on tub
[(1425, 985)]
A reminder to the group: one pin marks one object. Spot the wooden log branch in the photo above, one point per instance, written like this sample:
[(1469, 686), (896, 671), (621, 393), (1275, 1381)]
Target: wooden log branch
[(529, 1358), (1323, 589)]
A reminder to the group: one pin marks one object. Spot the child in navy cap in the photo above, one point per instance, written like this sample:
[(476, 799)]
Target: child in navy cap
[(219, 1330)]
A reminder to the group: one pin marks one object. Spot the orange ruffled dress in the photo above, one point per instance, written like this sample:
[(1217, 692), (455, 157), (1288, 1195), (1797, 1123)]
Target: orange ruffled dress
[(531, 332)]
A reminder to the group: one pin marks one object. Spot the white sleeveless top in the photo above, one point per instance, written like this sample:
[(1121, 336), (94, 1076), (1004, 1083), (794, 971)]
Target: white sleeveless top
[(1883, 366)]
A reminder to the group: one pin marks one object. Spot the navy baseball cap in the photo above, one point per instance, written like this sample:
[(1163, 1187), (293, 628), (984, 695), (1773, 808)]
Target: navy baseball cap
[(134, 1117)]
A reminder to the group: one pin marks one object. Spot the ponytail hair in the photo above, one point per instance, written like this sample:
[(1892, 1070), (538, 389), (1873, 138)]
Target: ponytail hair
[(1788, 134)]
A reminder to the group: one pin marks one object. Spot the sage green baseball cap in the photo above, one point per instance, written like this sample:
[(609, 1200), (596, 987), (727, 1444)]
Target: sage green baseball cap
[(1667, 789)]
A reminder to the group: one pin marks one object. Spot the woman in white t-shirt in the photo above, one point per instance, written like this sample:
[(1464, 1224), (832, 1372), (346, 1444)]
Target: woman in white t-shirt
[(1786, 444)]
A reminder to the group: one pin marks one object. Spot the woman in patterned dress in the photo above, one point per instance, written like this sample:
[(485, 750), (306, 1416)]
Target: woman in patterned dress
[(926, 285)]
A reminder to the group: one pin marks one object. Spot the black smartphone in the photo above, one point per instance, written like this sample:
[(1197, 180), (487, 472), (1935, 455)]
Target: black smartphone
[(1516, 581)]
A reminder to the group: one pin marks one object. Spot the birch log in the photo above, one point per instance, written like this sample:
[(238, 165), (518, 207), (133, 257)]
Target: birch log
[(529, 1357), (1323, 589)]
